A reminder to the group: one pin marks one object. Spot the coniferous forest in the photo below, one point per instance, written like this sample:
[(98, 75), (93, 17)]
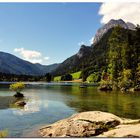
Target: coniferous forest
[(114, 61), (123, 59)]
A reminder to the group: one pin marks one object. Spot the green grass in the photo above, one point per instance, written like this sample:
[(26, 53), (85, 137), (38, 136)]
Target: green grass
[(76, 75), (57, 78)]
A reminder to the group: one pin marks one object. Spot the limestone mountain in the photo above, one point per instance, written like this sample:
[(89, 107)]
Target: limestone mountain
[(112, 23)]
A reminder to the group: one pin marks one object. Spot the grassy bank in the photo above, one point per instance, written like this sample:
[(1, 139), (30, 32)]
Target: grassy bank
[(75, 76)]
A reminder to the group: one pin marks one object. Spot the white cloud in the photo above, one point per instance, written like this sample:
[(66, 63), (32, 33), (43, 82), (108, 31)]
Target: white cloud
[(81, 43), (30, 55), (46, 58), (129, 12), (27, 54)]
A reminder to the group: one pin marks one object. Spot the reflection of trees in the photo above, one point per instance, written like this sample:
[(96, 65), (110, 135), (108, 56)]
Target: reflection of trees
[(80, 99), (90, 99), (7, 101)]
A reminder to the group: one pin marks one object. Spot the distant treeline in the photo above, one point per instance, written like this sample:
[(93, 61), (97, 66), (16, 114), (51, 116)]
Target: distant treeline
[(31, 78)]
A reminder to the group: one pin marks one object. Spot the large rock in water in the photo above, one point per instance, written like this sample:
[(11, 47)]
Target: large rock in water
[(84, 124)]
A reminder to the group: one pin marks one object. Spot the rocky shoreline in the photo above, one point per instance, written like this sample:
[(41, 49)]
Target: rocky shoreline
[(92, 124)]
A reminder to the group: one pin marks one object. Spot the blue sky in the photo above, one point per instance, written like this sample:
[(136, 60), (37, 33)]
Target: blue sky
[(47, 32)]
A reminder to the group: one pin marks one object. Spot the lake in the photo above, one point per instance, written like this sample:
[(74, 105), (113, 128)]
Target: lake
[(48, 103)]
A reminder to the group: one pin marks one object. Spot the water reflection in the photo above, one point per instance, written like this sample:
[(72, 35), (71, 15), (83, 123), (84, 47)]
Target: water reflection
[(33, 104), (49, 104), (9, 102), (90, 99)]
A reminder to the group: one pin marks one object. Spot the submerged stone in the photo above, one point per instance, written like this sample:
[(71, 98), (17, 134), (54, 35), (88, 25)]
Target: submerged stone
[(20, 103)]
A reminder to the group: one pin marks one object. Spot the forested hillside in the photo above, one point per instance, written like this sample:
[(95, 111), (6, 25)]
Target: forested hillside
[(123, 58), (114, 60)]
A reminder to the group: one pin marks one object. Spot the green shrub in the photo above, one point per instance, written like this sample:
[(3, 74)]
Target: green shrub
[(94, 77), (17, 87), (57, 78), (125, 79), (66, 77)]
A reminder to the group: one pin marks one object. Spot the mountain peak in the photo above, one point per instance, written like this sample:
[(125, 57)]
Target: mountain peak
[(112, 23)]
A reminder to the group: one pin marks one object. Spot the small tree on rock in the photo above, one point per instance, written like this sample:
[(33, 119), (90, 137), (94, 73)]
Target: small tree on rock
[(17, 87)]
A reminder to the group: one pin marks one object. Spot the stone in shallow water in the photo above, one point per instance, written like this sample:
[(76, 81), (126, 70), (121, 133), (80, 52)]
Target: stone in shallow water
[(20, 103)]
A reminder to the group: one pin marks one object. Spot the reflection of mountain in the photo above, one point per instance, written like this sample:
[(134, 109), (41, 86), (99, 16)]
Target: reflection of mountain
[(33, 104)]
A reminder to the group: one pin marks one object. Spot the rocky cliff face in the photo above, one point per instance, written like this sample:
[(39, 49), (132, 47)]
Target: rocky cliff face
[(83, 50), (112, 23)]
